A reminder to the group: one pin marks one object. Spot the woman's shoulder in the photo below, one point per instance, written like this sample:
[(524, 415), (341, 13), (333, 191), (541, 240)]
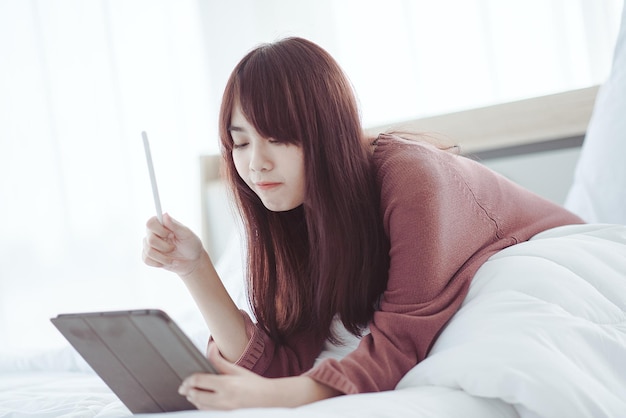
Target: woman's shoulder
[(409, 145), (400, 154), (412, 170)]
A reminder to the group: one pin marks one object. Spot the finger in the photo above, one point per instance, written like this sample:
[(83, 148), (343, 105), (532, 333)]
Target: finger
[(179, 230), (200, 399), (150, 262), (172, 224), (169, 220), (154, 226), (205, 400), (206, 382), (155, 258), (194, 395), (162, 245)]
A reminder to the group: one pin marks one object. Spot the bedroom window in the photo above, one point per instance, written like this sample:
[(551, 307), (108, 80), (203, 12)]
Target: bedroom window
[(452, 55)]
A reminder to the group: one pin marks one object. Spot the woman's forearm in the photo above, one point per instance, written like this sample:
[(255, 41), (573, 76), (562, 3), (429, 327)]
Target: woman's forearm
[(236, 387), (220, 313), (301, 390)]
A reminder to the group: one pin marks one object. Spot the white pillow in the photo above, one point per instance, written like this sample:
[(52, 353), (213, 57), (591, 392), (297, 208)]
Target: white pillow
[(598, 193)]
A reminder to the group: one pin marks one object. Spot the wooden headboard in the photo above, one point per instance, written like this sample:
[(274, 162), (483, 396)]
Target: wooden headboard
[(530, 125), (552, 122), (216, 212)]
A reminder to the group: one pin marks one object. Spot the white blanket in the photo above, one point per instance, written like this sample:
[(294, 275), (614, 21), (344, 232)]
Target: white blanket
[(542, 333), (543, 328)]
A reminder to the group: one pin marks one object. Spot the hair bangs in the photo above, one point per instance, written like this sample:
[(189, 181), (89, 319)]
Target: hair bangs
[(265, 93)]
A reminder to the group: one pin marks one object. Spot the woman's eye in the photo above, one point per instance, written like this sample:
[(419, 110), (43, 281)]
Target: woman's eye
[(240, 145)]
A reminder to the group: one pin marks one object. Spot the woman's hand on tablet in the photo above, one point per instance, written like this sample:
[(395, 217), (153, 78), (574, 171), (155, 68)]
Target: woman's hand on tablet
[(237, 387)]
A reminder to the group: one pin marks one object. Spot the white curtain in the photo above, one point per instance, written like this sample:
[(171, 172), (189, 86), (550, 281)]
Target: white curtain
[(80, 79)]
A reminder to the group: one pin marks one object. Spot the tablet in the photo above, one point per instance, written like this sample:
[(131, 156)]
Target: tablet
[(142, 355)]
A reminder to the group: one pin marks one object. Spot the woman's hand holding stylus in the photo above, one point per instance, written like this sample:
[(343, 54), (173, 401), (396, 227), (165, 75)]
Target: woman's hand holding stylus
[(172, 246)]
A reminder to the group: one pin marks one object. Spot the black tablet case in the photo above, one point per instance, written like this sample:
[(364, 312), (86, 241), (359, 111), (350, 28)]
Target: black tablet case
[(142, 355)]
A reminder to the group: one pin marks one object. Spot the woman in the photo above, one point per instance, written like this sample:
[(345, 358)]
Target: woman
[(384, 233)]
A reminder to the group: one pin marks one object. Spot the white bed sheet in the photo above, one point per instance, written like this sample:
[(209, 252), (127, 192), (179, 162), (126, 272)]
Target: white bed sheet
[(542, 333), (49, 394)]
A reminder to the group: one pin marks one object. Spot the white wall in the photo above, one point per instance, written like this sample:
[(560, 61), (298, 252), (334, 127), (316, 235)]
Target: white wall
[(549, 174)]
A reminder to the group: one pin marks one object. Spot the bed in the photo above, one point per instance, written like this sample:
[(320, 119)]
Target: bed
[(542, 332)]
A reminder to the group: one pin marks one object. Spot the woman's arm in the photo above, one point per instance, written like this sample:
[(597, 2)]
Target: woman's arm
[(236, 387), (266, 357), (445, 215), (219, 311), (176, 248)]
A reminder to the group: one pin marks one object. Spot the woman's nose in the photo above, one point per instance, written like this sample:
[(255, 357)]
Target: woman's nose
[(259, 159)]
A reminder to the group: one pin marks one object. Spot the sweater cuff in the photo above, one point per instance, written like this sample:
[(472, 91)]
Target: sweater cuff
[(256, 345), (327, 373)]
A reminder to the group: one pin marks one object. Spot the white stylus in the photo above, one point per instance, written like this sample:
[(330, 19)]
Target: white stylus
[(155, 190)]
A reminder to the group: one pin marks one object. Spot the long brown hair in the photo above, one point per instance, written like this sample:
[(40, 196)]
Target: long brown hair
[(330, 255)]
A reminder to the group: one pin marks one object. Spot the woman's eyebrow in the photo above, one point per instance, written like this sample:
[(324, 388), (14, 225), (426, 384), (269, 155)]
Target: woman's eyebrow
[(233, 128)]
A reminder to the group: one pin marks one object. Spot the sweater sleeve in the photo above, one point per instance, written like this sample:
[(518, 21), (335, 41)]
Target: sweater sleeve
[(265, 357), (440, 234)]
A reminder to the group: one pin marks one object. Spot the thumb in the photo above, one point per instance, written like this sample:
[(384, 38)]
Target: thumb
[(221, 364), (172, 224)]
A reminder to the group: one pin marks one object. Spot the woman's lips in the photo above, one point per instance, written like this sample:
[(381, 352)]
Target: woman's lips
[(266, 185)]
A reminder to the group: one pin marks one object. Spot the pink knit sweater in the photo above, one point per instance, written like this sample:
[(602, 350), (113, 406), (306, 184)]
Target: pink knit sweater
[(444, 215)]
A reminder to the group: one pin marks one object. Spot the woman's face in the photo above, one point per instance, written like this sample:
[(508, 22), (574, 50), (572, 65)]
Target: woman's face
[(273, 170)]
